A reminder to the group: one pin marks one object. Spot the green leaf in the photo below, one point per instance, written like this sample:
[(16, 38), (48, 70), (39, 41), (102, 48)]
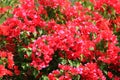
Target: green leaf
[(63, 61), (74, 63), (1, 62), (44, 77), (29, 52), (77, 77), (35, 72), (2, 18), (102, 45), (25, 66)]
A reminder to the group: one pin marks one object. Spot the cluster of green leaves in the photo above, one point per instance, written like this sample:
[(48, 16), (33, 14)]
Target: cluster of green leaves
[(54, 14)]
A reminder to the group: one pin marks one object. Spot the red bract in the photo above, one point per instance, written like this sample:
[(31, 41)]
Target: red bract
[(4, 71), (8, 56), (16, 70), (9, 28), (7, 63), (56, 74), (108, 56), (113, 3), (110, 74), (4, 30), (54, 3), (10, 61), (92, 72), (27, 4), (42, 53)]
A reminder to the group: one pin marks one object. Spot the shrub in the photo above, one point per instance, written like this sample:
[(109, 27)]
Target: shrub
[(61, 40)]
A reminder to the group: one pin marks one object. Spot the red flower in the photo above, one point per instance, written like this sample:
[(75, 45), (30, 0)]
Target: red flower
[(10, 60), (2, 71), (4, 30), (3, 54), (110, 75), (16, 71)]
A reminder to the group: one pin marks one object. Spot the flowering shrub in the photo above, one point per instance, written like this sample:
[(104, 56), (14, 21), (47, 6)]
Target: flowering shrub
[(61, 40)]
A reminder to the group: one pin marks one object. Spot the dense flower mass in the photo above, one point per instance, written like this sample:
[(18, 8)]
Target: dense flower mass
[(6, 61), (61, 40)]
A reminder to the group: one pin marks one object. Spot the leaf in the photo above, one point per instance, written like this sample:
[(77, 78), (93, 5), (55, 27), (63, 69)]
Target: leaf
[(74, 63), (63, 61), (35, 72), (29, 52), (25, 66), (2, 18), (77, 77), (102, 45), (44, 78)]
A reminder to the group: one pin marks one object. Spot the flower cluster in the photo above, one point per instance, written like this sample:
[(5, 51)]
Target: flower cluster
[(7, 64), (90, 72)]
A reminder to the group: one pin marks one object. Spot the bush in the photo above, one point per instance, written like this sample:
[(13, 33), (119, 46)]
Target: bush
[(61, 40)]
